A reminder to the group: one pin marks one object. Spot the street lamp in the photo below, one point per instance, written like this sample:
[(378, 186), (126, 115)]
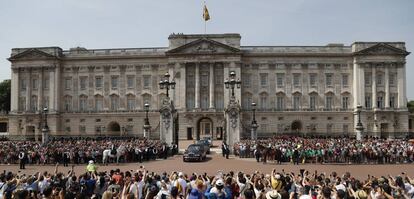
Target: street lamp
[(45, 129), (167, 84), (147, 125), (232, 83), (253, 134), (359, 127)]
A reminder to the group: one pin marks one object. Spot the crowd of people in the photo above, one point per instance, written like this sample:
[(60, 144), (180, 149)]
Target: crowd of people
[(327, 150), (79, 151), (143, 184)]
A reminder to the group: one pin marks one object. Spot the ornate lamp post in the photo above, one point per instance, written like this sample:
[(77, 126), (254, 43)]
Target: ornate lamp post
[(167, 84), (359, 127), (147, 125), (45, 129), (254, 123), (232, 83)]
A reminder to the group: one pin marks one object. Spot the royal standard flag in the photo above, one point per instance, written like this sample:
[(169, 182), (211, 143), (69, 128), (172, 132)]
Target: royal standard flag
[(206, 15)]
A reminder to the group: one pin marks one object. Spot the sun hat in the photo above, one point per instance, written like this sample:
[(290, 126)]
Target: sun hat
[(219, 182), (273, 195), (90, 161)]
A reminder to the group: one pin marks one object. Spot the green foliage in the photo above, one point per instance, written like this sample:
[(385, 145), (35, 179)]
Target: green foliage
[(410, 106), (5, 95)]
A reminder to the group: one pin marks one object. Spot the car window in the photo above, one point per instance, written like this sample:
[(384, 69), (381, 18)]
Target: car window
[(194, 148)]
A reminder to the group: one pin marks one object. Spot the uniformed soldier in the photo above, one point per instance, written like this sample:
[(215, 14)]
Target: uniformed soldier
[(22, 159)]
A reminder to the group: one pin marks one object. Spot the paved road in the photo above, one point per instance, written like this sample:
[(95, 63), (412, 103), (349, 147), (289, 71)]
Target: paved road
[(216, 162)]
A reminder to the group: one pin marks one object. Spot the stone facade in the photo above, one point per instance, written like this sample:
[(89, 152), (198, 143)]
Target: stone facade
[(298, 89)]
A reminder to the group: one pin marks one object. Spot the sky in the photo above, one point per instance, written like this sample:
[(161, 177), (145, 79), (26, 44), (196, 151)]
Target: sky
[(138, 23)]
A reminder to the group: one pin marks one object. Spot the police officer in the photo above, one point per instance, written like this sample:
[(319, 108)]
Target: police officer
[(22, 159), (66, 158), (164, 151), (225, 150)]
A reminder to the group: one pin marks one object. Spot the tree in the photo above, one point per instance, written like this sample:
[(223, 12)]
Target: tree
[(410, 106), (5, 95)]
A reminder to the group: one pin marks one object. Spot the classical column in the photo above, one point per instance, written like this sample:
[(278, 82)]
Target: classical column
[(52, 89), (374, 87), (182, 85), (15, 90), (387, 87), (197, 85), (57, 88), (40, 91), (211, 85), (402, 101), (29, 91)]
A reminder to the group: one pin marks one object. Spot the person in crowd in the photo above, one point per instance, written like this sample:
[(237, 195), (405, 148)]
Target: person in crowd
[(142, 184)]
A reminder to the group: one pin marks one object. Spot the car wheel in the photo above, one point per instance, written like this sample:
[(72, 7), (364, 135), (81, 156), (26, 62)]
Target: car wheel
[(184, 160), (201, 159)]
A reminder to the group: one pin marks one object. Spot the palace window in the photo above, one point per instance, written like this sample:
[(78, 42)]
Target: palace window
[(98, 82), (280, 79), (23, 84), (34, 103), (345, 78), (98, 103), (312, 79), (147, 81), (263, 101), (130, 102), (68, 103), (68, 83), (83, 103), (391, 79), (379, 79), (22, 103), (296, 79), (328, 79), (312, 102), (35, 84), (114, 102), (280, 103), (368, 101), (368, 78), (296, 102), (114, 82), (82, 83), (130, 81), (328, 102), (247, 101), (345, 102), (219, 102), (46, 84), (263, 79), (380, 102), (247, 80), (392, 100)]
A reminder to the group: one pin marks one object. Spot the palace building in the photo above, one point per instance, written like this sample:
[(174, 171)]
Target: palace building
[(313, 90)]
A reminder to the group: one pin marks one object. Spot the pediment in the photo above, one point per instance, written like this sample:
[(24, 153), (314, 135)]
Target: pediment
[(31, 54), (204, 46), (382, 49)]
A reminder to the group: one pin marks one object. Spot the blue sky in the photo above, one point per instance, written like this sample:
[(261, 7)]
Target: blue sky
[(138, 23)]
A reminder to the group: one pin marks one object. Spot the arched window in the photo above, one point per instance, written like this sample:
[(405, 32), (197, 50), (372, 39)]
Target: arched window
[(329, 101), (98, 103), (114, 102), (68, 103), (280, 101), (34, 103), (313, 101), (247, 101), (296, 101), (83, 103), (130, 102), (146, 98), (263, 101)]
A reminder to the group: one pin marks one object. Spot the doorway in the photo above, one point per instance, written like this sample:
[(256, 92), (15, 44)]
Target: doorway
[(205, 128)]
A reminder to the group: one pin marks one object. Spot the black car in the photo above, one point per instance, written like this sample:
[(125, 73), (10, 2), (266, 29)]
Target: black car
[(195, 152), (206, 145)]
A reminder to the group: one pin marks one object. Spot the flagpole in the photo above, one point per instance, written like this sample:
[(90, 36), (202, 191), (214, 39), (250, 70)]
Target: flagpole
[(205, 21)]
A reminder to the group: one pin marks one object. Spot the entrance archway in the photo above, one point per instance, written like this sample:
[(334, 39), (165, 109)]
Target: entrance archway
[(204, 128), (114, 128), (296, 126)]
